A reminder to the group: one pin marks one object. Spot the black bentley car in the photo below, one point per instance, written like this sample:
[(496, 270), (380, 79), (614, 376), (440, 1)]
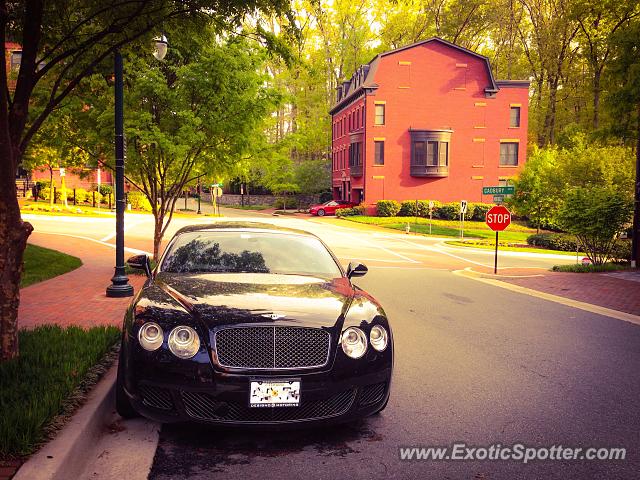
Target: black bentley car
[(252, 324)]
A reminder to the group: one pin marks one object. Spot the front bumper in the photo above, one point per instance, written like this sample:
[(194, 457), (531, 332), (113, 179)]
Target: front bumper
[(206, 395)]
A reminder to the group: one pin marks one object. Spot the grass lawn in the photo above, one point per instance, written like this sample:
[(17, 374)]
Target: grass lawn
[(490, 245), (36, 386), (579, 268), (42, 263), (515, 233)]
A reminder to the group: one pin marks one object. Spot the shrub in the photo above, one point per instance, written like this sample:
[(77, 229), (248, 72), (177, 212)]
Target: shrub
[(480, 211), (553, 241), (448, 211), (98, 197), (387, 208), (621, 251), (349, 212), (279, 204), (105, 197), (105, 190), (45, 194), (82, 196), (138, 201)]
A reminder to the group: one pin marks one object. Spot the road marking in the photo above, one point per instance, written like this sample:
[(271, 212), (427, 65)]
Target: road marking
[(434, 249), (110, 245), (127, 226), (384, 249), (588, 307)]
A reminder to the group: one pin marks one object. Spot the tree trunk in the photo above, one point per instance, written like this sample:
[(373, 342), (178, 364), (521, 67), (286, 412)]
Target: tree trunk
[(13, 240), (157, 237), (596, 99), (635, 240)]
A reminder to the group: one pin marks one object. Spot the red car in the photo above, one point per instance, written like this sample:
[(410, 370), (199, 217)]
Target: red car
[(330, 207)]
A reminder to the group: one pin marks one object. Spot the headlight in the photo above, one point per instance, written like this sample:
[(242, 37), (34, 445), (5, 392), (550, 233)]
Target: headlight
[(184, 342), (150, 336), (354, 342), (378, 338)]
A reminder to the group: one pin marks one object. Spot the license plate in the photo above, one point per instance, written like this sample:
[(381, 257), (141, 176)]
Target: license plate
[(268, 393)]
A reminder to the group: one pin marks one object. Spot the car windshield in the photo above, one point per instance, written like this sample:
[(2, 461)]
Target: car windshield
[(250, 252)]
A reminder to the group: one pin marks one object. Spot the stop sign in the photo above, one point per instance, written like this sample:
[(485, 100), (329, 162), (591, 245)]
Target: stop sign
[(498, 218)]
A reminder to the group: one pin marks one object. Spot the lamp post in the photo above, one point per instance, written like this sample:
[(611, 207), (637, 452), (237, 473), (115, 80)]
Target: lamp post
[(120, 286)]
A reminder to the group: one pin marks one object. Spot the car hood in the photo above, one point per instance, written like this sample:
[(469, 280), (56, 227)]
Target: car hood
[(244, 298)]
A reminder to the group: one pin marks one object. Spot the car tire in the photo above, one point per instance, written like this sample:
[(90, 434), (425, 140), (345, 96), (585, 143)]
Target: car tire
[(123, 404), (321, 212)]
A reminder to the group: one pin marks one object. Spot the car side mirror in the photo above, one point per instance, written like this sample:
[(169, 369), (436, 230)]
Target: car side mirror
[(356, 269), (140, 262)]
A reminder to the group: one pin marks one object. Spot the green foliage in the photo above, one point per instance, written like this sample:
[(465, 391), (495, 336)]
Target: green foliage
[(589, 268), (479, 211), (387, 208), (52, 363), (596, 215), (105, 190), (350, 212), (45, 194), (553, 241), (449, 211), (138, 201), (82, 196), (408, 208)]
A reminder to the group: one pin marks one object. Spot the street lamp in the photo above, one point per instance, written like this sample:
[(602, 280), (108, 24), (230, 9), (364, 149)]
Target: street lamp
[(120, 286)]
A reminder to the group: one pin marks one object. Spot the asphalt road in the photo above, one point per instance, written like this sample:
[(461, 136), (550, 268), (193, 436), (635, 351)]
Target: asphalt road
[(474, 363)]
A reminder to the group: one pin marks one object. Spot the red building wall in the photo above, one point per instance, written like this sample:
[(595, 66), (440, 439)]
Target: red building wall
[(74, 177), (436, 86)]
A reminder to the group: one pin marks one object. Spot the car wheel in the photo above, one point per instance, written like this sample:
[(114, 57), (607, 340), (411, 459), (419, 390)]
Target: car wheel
[(123, 405), (321, 213)]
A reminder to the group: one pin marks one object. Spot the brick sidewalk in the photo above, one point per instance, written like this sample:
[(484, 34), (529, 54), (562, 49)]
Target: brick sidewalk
[(615, 290), (77, 297)]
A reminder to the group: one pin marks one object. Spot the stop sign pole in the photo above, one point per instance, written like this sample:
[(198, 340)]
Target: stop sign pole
[(498, 218)]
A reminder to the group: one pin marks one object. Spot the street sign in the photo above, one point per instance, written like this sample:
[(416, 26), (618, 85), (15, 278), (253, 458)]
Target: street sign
[(217, 192), (463, 206), (498, 190), (498, 198), (498, 218)]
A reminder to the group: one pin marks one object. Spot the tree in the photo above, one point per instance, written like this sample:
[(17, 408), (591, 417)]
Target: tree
[(596, 215), (624, 101), (63, 42), (534, 195), (191, 115)]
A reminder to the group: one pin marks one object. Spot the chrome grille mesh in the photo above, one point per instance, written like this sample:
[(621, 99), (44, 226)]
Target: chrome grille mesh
[(272, 347), (202, 406), (156, 397)]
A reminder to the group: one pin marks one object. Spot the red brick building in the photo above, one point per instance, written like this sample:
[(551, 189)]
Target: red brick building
[(427, 121)]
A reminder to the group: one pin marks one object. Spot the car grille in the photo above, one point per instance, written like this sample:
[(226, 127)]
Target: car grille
[(203, 407), (372, 394), (156, 397), (272, 347)]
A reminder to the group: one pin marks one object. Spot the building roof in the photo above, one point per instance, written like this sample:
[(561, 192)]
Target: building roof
[(362, 79)]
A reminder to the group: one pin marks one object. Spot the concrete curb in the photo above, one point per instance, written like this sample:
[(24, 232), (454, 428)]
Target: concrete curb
[(66, 455)]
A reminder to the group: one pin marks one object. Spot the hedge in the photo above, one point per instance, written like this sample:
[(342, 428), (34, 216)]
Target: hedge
[(408, 208), (279, 204), (388, 208), (349, 212), (553, 241)]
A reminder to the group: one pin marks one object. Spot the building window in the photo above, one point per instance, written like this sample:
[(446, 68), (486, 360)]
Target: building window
[(379, 120), (378, 158), (419, 153), (514, 119), (16, 58), (432, 153), (355, 154), (509, 153)]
